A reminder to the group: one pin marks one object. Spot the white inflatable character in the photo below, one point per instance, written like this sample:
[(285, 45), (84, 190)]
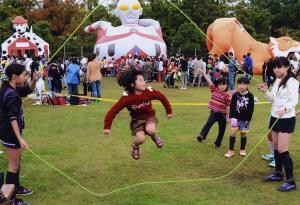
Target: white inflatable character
[(135, 36), (23, 40)]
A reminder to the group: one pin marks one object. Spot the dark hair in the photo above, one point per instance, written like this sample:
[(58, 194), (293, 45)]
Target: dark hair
[(283, 61), (221, 81), (12, 69), (127, 78), (243, 80)]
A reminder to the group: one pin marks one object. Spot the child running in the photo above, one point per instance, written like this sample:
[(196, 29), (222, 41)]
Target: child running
[(241, 111), (12, 124), (138, 99), (219, 109), (284, 99)]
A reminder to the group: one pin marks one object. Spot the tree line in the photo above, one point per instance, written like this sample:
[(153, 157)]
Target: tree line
[(55, 20)]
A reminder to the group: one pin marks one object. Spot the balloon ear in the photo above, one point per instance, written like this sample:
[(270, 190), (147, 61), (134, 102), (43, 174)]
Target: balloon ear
[(141, 11), (273, 41), (116, 12)]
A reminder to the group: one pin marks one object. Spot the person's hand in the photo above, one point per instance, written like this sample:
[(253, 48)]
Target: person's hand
[(201, 71), (35, 76), (23, 144), (228, 121), (169, 116), (281, 113), (262, 87), (106, 131)]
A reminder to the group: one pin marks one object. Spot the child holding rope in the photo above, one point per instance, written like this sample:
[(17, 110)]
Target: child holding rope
[(12, 124), (284, 98), (241, 111), (219, 108), (137, 99)]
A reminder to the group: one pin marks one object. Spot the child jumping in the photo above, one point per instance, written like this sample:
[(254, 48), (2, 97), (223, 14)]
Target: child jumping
[(219, 109), (241, 111), (12, 124), (137, 99)]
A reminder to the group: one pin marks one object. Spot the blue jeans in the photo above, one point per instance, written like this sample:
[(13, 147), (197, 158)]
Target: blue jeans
[(72, 89), (96, 88), (231, 79)]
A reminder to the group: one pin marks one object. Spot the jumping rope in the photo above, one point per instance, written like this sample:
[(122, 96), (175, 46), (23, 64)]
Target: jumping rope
[(76, 29), (157, 182)]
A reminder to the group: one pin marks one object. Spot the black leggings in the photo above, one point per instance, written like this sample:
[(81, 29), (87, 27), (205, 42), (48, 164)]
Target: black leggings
[(215, 117)]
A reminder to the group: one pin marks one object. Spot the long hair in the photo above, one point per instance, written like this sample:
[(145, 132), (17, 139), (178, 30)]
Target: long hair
[(283, 61), (127, 78), (12, 69)]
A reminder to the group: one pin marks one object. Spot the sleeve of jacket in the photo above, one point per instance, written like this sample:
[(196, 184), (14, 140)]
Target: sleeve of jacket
[(156, 95), (251, 106), (233, 106), (13, 103), (114, 110), (292, 89), (24, 90)]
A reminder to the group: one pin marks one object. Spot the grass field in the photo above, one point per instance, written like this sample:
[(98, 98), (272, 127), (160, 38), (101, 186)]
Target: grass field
[(71, 139)]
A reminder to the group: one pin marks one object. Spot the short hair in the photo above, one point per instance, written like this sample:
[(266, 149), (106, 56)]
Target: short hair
[(243, 80)]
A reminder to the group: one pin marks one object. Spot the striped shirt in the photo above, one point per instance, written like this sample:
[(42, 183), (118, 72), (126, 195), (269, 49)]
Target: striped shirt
[(219, 100)]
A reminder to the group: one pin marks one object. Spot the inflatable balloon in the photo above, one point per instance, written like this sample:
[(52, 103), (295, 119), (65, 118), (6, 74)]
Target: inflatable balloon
[(23, 42), (228, 34), (135, 36)]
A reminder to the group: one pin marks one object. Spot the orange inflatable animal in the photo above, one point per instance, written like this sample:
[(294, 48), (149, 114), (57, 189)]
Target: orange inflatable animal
[(228, 34)]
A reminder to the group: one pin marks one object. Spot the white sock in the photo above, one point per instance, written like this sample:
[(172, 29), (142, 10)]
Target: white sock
[(271, 146)]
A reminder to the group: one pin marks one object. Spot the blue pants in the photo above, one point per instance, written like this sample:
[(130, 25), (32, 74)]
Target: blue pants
[(72, 89), (96, 88)]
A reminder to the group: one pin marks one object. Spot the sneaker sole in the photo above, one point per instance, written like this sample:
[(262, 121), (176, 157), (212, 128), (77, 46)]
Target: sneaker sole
[(273, 180), (267, 159), (294, 189), (25, 194)]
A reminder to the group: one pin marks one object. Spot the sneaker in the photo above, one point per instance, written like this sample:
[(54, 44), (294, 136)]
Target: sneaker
[(23, 191), (1, 152), (135, 152), (288, 185), (274, 177), (158, 141), (268, 157), (19, 202), (229, 154), (3, 200), (200, 138), (243, 153), (272, 164)]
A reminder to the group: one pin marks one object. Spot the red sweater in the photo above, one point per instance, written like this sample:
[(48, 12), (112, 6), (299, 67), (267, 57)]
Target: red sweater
[(139, 106)]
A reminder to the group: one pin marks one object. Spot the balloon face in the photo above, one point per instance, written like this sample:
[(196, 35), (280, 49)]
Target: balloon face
[(20, 28), (129, 11)]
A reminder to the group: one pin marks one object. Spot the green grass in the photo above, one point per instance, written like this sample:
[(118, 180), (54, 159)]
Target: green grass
[(71, 139)]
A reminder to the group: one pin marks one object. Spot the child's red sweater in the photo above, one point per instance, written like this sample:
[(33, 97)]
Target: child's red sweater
[(139, 106)]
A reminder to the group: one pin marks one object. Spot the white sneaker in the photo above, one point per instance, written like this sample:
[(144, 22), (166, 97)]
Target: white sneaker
[(272, 164), (268, 157), (181, 88), (1, 152), (229, 154)]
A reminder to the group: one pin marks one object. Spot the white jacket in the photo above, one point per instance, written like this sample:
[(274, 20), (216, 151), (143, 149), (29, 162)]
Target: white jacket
[(284, 98)]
